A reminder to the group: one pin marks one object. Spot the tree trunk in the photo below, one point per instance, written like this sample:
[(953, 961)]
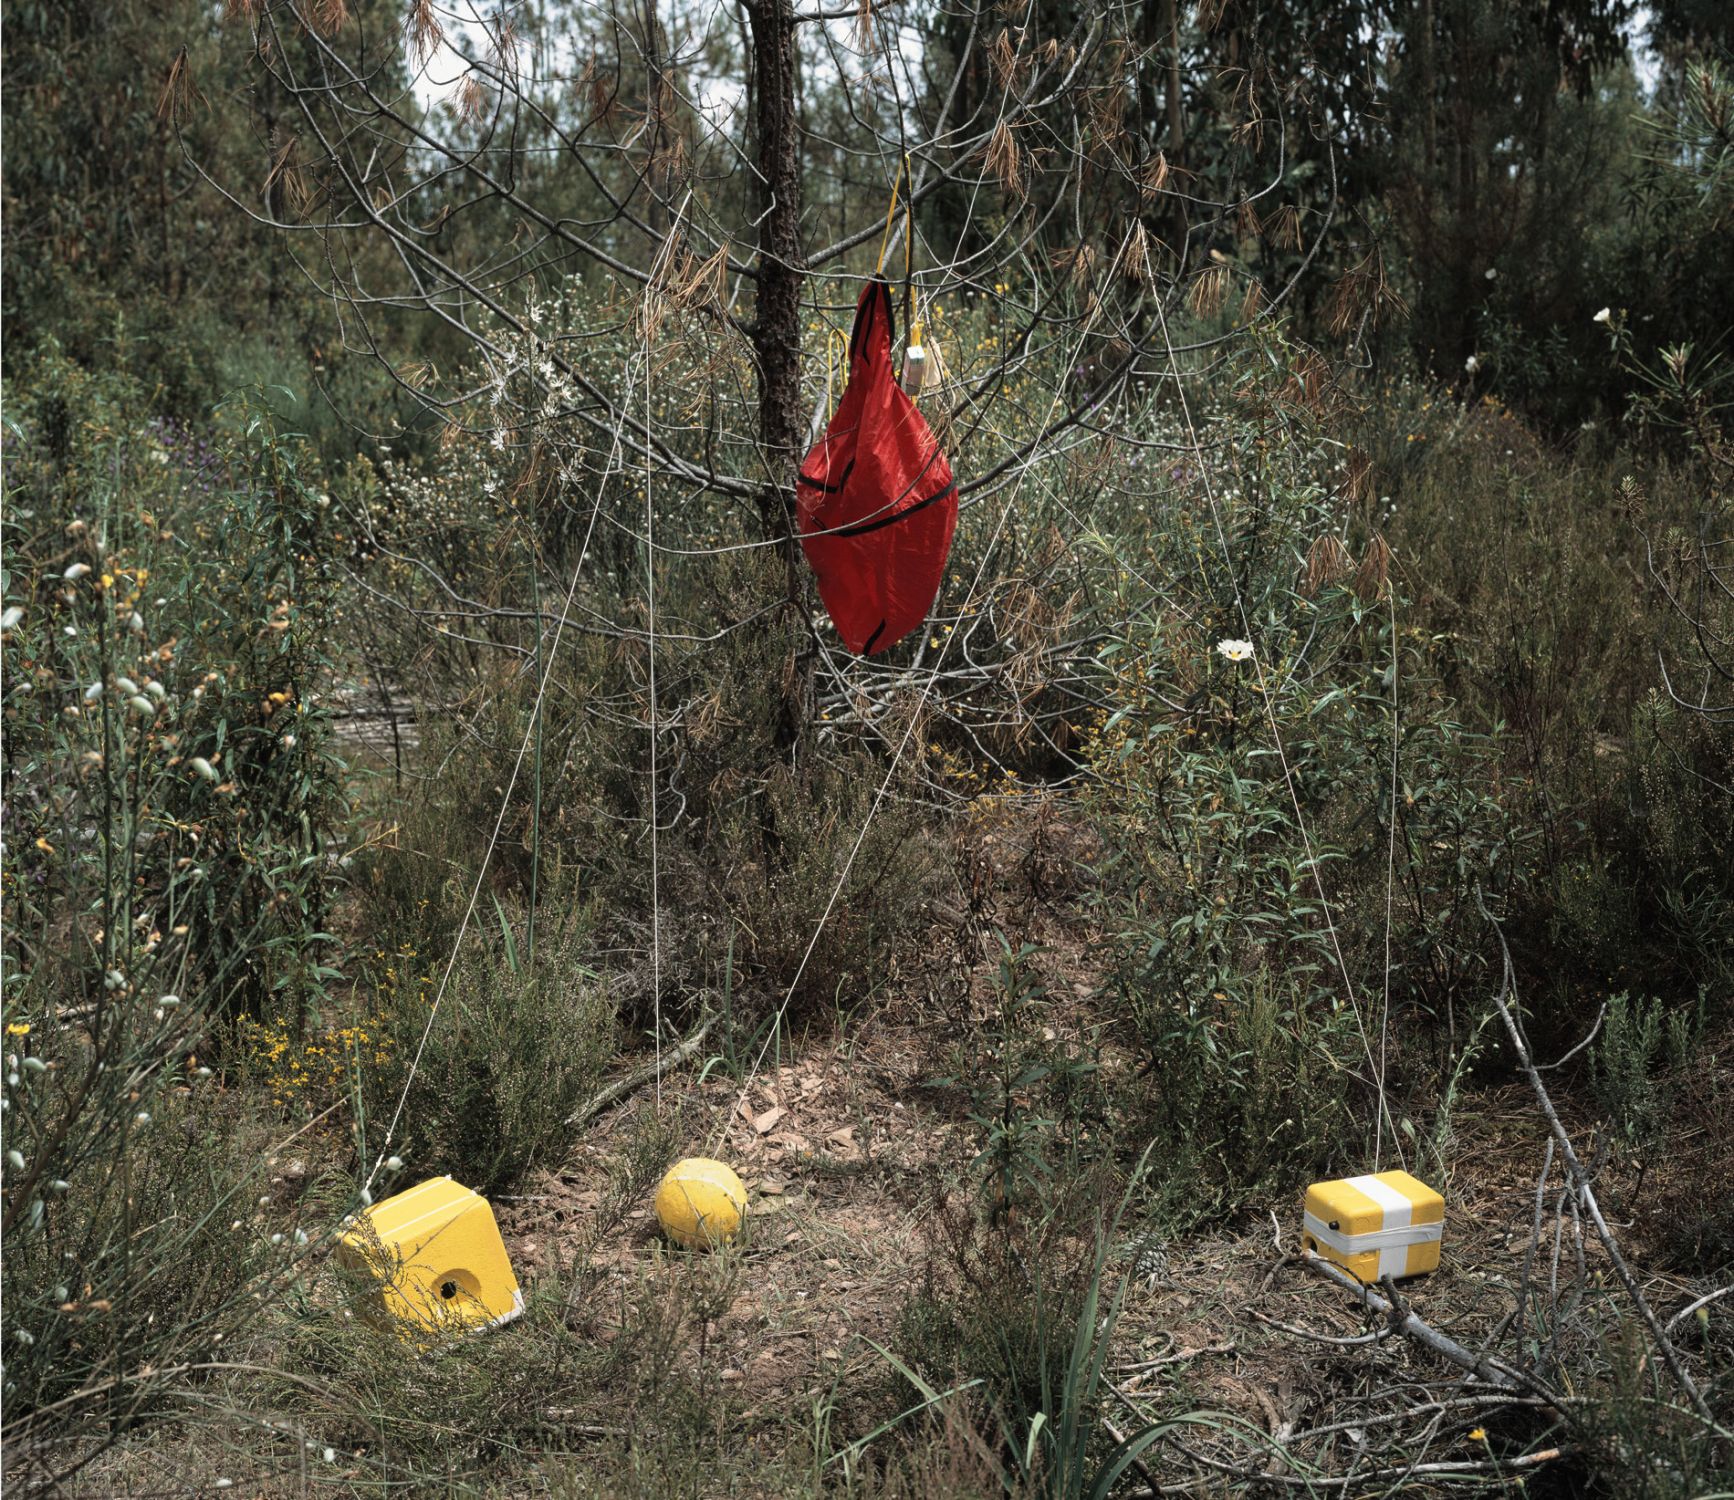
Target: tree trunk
[(1429, 117), (1176, 106), (777, 327)]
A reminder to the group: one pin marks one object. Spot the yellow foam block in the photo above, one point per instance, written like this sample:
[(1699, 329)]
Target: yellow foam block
[(437, 1257), (1384, 1224)]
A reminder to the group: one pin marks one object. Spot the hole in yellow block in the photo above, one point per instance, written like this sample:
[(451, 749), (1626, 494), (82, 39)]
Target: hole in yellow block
[(436, 1258)]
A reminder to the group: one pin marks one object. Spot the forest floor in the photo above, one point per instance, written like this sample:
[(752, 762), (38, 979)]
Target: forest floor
[(859, 1155), (856, 1162)]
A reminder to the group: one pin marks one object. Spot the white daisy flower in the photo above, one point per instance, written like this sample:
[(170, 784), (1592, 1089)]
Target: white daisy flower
[(1235, 650), (1606, 315)]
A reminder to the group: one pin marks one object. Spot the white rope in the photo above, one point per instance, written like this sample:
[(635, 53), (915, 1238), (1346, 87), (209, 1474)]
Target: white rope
[(1390, 894), (1276, 734), (650, 648), (500, 819)]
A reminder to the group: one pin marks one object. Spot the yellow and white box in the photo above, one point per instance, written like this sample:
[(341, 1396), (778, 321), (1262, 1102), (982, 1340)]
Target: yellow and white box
[(1383, 1224), (437, 1257)]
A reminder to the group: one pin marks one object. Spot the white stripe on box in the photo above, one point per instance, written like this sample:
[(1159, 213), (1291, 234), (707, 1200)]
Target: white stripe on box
[(1374, 1239), (1393, 1259)]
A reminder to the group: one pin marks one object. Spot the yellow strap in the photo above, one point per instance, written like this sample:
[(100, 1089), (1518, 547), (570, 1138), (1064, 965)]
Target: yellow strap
[(835, 337), (891, 218), (909, 269)]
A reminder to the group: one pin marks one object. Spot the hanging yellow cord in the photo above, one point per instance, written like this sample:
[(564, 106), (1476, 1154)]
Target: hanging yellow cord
[(832, 340), (909, 276), (891, 218), (905, 172)]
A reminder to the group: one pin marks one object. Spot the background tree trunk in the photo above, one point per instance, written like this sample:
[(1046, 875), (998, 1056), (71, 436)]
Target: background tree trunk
[(777, 326)]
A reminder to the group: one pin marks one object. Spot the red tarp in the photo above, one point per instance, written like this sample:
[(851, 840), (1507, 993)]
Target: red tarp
[(877, 502)]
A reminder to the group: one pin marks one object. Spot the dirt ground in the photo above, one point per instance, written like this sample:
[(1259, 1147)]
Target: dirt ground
[(857, 1161), (841, 1141)]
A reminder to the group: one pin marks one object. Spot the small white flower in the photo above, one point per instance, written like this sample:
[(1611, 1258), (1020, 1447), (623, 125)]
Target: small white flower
[(1235, 650), (225, 1484), (135, 623), (394, 1164), (1492, 274), (1471, 365), (75, 572), (69, 629), (329, 1455), (12, 616), (1606, 315), (143, 1117), (16, 1157), (93, 692)]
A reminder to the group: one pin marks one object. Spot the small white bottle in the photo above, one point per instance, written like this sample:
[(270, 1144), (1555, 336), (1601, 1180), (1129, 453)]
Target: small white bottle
[(914, 364)]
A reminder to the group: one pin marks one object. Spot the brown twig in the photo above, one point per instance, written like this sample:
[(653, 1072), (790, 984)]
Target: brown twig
[(636, 1079), (1585, 1194), (1402, 1320)]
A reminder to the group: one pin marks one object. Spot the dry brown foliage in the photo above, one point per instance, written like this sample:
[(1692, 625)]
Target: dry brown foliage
[(1004, 160)]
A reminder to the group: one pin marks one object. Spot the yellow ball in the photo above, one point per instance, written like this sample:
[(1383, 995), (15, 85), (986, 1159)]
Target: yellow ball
[(700, 1203)]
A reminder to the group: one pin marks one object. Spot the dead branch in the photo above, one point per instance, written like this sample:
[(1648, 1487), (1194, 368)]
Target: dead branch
[(613, 1093), (1585, 1194), (1402, 1320)]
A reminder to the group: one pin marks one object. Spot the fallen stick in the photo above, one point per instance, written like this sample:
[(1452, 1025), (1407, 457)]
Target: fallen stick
[(636, 1079), (1442, 1468), (1581, 1181), (1179, 1356), (1402, 1320)]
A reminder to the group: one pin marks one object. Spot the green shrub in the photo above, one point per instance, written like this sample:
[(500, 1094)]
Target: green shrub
[(1537, 582), (171, 764), (170, 800), (1641, 1044), (489, 1082), (1296, 826)]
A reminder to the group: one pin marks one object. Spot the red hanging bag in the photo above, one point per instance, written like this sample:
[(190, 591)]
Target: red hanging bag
[(876, 499)]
